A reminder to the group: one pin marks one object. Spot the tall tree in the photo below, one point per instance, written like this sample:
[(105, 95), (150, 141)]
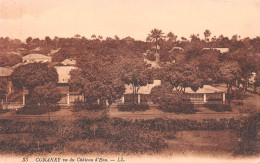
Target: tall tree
[(99, 79), (156, 36), (207, 34), (229, 72), (137, 74), (3, 89), (47, 41), (46, 94), (171, 37), (29, 41), (37, 78), (181, 76), (32, 75), (247, 61)]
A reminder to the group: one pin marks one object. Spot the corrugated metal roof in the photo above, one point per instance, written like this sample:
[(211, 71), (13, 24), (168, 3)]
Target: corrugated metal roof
[(36, 56), (205, 89), (222, 50), (5, 71), (69, 62)]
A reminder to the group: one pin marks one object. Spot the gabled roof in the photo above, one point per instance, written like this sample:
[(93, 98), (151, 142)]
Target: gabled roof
[(144, 89), (4, 72), (221, 50), (69, 62), (177, 48), (35, 56), (205, 89)]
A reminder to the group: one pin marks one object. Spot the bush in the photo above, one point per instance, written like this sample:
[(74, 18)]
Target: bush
[(131, 107), (237, 94), (151, 57), (80, 105), (38, 110), (171, 101)]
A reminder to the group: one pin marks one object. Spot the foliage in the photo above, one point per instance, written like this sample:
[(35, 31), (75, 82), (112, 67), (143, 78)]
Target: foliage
[(3, 87), (9, 59), (229, 72), (151, 57), (156, 36), (45, 94), (38, 109), (135, 72), (98, 80), (80, 105), (181, 76), (33, 74), (171, 101), (249, 133)]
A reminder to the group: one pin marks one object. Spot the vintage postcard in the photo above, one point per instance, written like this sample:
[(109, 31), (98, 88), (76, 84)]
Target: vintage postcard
[(124, 81)]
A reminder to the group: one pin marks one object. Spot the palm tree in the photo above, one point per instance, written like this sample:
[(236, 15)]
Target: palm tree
[(56, 39), (171, 37), (93, 36), (207, 34), (47, 41), (156, 36)]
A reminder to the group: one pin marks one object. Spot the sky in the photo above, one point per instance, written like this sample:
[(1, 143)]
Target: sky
[(135, 18)]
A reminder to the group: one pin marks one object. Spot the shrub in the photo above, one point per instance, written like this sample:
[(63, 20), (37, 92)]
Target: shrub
[(151, 57), (37, 109), (237, 94), (171, 101), (80, 105)]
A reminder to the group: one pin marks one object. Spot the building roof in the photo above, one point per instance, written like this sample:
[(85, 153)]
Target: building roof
[(177, 48), (64, 73), (69, 62), (5, 71), (144, 89), (35, 56), (221, 50), (54, 51), (205, 89)]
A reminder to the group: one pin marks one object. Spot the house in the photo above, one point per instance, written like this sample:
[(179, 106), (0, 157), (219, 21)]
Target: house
[(69, 62), (207, 94), (36, 58), (69, 95), (221, 50), (6, 73), (177, 49), (13, 99), (143, 95)]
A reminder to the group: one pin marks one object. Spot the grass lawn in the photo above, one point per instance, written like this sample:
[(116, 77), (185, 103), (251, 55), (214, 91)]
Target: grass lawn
[(210, 143)]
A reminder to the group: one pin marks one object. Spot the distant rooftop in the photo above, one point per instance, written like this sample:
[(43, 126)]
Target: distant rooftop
[(221, 50), (4, 72), (69, 62), (36, 56), (177, 48), (205, 89)]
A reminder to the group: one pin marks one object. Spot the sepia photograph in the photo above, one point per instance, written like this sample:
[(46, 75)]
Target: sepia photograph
[(122, 81)]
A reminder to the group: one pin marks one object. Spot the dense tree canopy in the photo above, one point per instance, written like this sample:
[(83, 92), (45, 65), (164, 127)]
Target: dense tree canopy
[(33, 74), (181, 76), (99, 79)]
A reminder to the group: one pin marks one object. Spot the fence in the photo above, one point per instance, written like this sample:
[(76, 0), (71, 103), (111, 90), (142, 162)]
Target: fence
[(12, 105)]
